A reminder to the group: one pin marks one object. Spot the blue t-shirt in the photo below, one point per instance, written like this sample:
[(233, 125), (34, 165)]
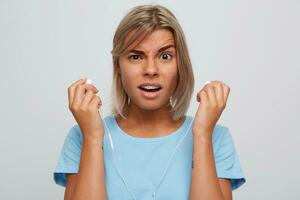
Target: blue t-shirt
[(138, 167)]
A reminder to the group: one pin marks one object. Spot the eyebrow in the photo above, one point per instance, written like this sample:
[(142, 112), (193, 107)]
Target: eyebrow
[(160, 50)]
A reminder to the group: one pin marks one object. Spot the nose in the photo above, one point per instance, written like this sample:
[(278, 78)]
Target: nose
[(150, 69)]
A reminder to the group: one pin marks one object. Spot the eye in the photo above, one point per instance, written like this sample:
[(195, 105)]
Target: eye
[(134, 57), (166, 56)]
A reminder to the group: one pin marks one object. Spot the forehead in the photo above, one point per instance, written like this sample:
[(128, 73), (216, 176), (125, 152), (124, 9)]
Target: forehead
[(154, 40)]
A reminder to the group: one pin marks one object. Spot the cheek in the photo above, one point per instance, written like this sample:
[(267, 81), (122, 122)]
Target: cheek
[(129, 76), (126, 79), (174, 81), (129, 69), (171, 74)]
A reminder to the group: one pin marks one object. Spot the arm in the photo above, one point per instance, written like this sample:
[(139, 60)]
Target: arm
[(89, 183), (205, 184), (84, 105)]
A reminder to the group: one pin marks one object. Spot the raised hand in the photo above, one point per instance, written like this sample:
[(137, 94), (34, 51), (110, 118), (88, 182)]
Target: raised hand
[(84, 105), (213, 98)]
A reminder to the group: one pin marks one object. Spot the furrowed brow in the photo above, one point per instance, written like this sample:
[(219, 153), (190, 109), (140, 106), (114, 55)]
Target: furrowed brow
[(160, 50), (136, 51), (166, 47)]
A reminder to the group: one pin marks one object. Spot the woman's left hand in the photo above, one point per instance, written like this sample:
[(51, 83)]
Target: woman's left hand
[(213, 99)]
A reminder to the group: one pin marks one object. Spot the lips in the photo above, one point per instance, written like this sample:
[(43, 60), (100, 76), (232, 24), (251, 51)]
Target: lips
[(150, 94), (153, 91), (150, 90), (150, 84)]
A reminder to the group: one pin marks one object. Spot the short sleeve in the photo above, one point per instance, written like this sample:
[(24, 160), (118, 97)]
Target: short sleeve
[(227, 161), (69, 157)]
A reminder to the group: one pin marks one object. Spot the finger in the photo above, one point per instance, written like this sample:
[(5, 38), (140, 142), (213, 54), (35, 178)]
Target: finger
[(211, 94), (96, 102), (71, 90), (226, 91), (80, 92), (203, 97), (219, 93), (89, 95), (89, 86)]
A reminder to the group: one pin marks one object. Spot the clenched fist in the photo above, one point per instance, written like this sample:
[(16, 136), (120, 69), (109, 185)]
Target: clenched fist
[(84, 105), (213, 98)]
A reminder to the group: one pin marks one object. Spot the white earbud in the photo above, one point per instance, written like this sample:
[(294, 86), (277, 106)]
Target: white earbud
[(89, 81), (206, 82)]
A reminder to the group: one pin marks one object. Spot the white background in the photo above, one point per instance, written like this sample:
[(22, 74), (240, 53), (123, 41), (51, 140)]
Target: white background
[(253, 46)]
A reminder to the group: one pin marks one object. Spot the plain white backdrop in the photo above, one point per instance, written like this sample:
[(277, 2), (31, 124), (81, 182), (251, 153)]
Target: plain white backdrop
[(252, 45)]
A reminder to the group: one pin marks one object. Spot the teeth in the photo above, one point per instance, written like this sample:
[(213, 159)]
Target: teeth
[(150, 87)]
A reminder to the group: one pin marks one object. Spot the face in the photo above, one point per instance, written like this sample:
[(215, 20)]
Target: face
[(151, 62)]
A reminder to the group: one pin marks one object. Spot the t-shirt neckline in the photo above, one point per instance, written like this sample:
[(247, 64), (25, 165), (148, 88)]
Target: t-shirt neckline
[(125, 135)]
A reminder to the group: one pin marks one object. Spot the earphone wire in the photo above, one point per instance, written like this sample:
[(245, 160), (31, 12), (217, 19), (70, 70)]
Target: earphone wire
[(170, 159), (114, 161), (165, 171)]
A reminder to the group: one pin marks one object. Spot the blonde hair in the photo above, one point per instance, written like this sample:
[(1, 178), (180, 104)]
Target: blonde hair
[(140, 21)]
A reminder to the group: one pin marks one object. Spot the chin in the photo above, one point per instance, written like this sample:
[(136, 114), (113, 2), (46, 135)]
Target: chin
[(150, 108), (151, 104)]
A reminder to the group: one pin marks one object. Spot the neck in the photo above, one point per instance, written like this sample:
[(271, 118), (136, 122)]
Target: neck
[(148, 118), (148, 123)]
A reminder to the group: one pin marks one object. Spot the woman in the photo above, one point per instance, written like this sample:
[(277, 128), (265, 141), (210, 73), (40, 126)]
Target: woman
[(148, 148)]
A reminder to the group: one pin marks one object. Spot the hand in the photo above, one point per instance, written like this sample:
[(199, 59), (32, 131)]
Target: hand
[(84, 105), (213, 98)]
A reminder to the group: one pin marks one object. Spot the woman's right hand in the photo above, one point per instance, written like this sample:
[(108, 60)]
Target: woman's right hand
[(84, 105)]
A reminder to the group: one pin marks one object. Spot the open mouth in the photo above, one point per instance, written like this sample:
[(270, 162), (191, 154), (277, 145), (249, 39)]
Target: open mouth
[(150, 93), (150, 90)]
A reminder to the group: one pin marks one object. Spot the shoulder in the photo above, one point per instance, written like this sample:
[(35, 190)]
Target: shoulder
[(76, 131), (219, 132), (108, 120), (75, 134)]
